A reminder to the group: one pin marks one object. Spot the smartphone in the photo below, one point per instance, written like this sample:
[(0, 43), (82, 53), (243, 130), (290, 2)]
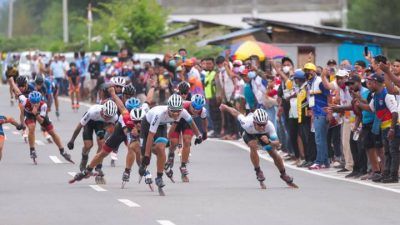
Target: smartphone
[(366, 50)]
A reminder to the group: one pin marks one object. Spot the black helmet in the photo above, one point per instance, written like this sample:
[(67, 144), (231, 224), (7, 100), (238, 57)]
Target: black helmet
[(39, 80), (129, 90), (21, 80), (183, 87)]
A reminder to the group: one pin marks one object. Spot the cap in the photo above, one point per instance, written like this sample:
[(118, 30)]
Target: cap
[(376, 77), (310, 66), (342, 73), (237, 62), (353, 79), (188, 62), (331, 62)]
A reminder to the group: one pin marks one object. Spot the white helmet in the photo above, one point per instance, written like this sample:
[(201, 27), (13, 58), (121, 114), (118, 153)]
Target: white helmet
[(175, 102), (110, 108), (260, 116), (137, 114), (118, 81)]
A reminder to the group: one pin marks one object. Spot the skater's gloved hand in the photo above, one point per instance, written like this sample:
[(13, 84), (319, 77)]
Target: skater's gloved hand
[(198, 140), (20, 127), (146, 161), (204, 136), (142, 171), (70, 145)]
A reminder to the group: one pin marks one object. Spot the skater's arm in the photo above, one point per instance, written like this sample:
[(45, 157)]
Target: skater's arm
[(117, 100), (194, 128), (14, 87), (205, 125), (149, 144), (150, 93), (230, 110), (76, 132)]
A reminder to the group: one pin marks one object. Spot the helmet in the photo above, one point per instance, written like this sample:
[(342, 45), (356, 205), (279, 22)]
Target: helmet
[(310, 66), (39, 80), (22, 80), (260, 116), (129, 90), (137, 114), (118, 81), (299, 74), (110, 108), (132, 103), (183, 87), (175, 102), (35, 97), (198, 101)]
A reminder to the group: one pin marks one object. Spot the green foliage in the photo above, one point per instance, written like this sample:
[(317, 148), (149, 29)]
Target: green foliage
[(381, 16)]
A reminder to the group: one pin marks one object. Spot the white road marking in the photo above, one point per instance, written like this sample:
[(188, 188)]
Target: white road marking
[(165, 222), (129, 203), (6, 127), (266, 157), (16, 132), (72, 174), (97, 188), (39, 142), (55, 159)]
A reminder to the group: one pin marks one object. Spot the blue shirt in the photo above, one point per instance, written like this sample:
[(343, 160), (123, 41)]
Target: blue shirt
[(367, 117), (249, 96), (320, 99)]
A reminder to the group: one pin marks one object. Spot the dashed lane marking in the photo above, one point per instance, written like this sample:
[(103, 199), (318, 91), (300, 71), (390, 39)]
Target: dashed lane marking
[(97, 188), (55, 159), (129, 203), (165, 222)]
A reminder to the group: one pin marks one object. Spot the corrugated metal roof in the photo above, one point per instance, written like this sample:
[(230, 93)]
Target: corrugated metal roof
[(181, 30), (229, 36)]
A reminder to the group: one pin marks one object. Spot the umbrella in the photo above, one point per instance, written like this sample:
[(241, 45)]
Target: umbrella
[(243, 50)]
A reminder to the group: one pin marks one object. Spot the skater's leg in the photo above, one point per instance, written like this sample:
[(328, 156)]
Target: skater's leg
[(31, 134), (255, 159), (186, 148), (1, 146), (159, 149), (56, 138), (173, 143), (87, 145), (131, 154), (100, 143), (98, 159), (277, 159)]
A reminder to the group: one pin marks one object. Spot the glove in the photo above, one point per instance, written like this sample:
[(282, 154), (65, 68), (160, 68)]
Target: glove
[(142, 170), (20, 127), (70, 145), (198, 140), (146, 161), (204, 136)]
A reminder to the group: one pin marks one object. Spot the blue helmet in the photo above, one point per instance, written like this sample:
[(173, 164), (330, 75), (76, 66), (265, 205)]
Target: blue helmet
[(299, 74), (198, 101), (35, 97), (132, 103)]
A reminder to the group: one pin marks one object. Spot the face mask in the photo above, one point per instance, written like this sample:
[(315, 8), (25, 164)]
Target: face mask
[(221, 69), (252, 74), (236, 69), (136, 66), (286, 69), (172, 63)]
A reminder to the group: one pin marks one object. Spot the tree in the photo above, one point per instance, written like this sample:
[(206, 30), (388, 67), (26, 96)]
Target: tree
[(135, 23), (381, 16)]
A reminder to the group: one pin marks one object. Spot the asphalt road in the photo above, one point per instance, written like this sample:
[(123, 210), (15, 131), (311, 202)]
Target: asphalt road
[(222, 189)]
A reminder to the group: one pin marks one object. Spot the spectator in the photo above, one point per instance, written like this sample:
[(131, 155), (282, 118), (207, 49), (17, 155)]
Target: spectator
[(57, 71)]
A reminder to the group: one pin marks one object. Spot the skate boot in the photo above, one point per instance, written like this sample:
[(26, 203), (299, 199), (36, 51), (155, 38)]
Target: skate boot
[(125, 178), (148, 180), (48, 139), (99, 176), (170, 162), (160, 184), (82, 175), (33, 156), (67, 157), (261, 178), (83, 164), (113, 158), (288, 180), (170, 174), (184, 174)]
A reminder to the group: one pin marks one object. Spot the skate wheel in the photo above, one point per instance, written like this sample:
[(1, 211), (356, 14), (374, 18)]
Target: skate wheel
[(262, 185), (293, 185), (161, 191)]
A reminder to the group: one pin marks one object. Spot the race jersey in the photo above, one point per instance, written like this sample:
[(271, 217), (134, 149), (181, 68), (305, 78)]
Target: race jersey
[(247, 124), (94, 114), (159, 116), (28, 106), (384, 104), (202, 113), (3, 119)]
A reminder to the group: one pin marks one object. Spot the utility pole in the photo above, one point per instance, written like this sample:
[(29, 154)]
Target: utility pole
[(344, 13), (65, 20), (10, 17), (254, 10)]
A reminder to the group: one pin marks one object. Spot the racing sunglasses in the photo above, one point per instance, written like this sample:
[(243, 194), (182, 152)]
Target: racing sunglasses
[(260, 124)]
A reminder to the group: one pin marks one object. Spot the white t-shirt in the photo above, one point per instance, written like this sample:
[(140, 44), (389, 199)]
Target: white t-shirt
[(159, 116), (226, 84), (247, 124), (259, 89), (94, 114), (194, 73)]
